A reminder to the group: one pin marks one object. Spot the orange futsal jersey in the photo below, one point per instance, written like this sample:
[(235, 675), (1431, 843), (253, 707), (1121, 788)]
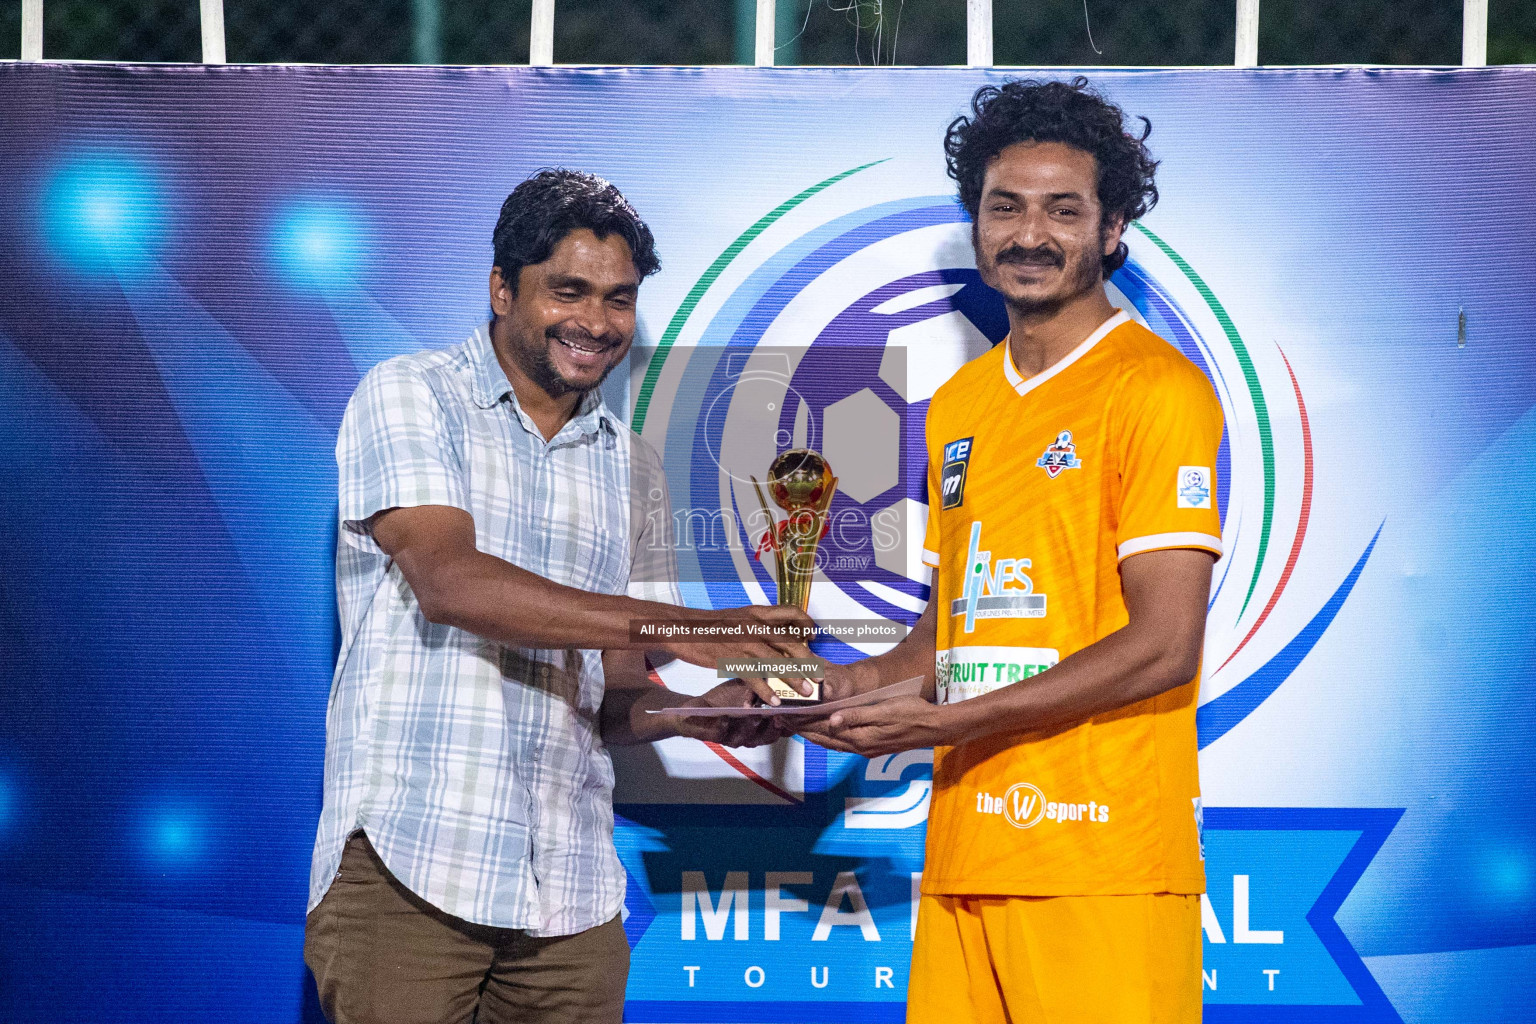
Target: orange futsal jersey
[(1038, 488)]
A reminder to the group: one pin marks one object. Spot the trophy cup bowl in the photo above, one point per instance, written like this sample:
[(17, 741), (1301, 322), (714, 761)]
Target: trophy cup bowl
[(798, 478)]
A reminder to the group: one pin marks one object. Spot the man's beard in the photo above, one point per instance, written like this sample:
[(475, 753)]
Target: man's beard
[(1088, 274), (536, 362)]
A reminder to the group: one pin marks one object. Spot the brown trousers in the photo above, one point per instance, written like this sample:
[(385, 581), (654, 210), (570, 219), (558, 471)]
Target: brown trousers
[(383, 955)]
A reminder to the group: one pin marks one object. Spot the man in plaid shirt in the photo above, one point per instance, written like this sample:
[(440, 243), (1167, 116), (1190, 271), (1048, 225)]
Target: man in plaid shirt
[(489, 562)]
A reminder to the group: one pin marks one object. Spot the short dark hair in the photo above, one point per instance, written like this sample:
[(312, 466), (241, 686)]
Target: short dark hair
[(1069, 112), (550, 205)]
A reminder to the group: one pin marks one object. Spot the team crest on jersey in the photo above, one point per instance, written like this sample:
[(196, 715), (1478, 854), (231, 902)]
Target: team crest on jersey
[(957, 458), (1059, 456)]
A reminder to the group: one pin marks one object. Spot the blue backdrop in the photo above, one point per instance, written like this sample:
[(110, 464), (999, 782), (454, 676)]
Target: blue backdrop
[(198, 264)]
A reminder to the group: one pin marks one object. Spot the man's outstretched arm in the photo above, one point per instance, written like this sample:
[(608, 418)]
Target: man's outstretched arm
[(1159, 649), (456, 584)]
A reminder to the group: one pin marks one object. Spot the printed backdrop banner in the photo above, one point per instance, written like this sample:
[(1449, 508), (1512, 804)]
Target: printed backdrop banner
[(198, 265)]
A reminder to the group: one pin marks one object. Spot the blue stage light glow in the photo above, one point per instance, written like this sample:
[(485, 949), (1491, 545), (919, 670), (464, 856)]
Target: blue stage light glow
[(317, 243), (104, 212), (174, 835), (1509, 874)]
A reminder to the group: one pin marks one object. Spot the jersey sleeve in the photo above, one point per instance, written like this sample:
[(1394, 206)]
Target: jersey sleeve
[(1170, 433), (395, 449)]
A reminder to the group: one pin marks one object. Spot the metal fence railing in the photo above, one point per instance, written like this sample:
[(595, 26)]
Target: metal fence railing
[(979, 32)]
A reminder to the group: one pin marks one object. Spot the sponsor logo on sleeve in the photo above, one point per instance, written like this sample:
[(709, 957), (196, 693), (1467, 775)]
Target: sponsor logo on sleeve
[(957, 458), (1194, 487)]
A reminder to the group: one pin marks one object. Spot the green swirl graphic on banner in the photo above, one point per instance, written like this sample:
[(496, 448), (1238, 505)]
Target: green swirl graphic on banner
[(675, 326), (1260, 410)]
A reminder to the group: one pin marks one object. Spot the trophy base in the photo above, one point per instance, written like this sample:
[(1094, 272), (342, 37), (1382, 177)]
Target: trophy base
[(789, 695)]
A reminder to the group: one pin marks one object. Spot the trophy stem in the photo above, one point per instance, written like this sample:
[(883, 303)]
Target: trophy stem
[(772, 540), (802, 535)]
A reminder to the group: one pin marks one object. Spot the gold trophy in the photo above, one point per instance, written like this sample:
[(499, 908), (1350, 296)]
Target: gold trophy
[(802, 485)]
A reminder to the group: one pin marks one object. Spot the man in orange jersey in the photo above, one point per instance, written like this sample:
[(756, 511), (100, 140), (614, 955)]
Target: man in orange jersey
[(1072, 527)]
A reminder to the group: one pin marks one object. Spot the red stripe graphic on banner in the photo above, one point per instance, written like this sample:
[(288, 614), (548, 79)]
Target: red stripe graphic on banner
[(725, 755), (1301, 523)]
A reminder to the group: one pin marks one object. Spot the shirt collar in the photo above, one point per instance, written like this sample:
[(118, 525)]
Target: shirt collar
[(1024, 385), (490, 385), (591, 416)]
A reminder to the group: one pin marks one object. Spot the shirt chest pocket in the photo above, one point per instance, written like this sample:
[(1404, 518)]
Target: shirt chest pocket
[(589, 531), (559, 510)]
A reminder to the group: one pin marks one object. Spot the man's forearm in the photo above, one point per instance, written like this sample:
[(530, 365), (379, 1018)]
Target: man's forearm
[(1121, 669), (913, 656), (1158, 650), (884, 669), (626, 719), (477, 592), (456, 584)]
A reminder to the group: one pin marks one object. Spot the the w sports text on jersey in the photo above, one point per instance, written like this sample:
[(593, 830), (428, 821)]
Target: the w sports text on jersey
[(1126, 431)]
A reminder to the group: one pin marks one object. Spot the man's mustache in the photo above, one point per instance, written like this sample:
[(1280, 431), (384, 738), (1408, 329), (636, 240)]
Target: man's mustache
[(577, 336), (1040, 256)]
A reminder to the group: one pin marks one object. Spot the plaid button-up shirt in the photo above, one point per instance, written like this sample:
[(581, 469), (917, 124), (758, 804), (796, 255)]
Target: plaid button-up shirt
[(477, 770)]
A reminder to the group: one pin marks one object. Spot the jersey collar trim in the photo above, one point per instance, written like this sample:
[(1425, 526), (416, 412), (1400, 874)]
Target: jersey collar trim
[(1025, 386)]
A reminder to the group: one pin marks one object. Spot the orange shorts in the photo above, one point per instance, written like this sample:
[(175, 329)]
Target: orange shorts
[(1056, 960)]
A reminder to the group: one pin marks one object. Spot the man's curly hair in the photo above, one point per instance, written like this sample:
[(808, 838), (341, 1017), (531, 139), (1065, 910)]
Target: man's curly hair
[(541, 211), (1069, 112)]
